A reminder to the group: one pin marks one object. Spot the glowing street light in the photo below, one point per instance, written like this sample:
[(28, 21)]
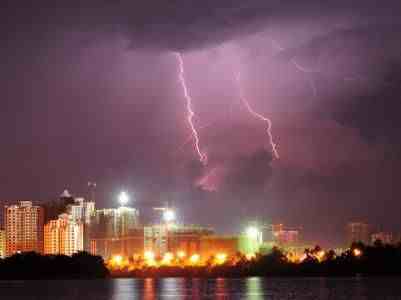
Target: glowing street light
[(167, 258), (253, 232), (118, 259), (320, 255), (357, 252), (221, 258), (123, 198), (194, 259), (169, 215), (250, 256), (149, 255), (181, 254)]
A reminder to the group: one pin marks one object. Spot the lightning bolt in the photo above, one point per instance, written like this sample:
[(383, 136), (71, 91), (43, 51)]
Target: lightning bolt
[(190, 111), (258, 116), (299, 68), (191, 137)]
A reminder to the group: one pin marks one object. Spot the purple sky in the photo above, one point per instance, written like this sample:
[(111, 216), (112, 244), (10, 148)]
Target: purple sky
[(91, 93)]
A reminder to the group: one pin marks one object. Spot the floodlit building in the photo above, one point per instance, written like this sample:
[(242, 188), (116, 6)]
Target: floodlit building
[(210, 245), (114, 222), (63, 236), (132, 244), (288, 237), (115, 231), (23, 225), (280, 235), (163, 238), (186, 238), (155, 239), (81, 210), (2, 243), (357, 232)]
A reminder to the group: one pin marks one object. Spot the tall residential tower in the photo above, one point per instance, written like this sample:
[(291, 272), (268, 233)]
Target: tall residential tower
[(23, 224)]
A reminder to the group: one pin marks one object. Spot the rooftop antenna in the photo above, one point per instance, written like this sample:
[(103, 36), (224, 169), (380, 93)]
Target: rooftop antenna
[(92, 188)]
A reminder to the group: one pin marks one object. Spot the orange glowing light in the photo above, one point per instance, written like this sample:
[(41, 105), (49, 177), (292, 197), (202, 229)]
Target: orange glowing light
[(117, 260), (320, 255), (167, 258), (181, 254), (250, 256), (357, 252), (149, 258), (194, 259), (149, 255), (221, 258)]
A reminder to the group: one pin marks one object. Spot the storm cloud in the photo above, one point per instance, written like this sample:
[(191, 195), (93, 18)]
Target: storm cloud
[(90, 92)]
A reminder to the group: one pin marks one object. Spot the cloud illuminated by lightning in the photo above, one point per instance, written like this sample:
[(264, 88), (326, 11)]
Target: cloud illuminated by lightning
[(258, 116), (299, 68), (190, 111), (191, 136)]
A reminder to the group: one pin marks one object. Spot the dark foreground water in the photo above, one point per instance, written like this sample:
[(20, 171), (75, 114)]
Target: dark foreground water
[(181, 288)]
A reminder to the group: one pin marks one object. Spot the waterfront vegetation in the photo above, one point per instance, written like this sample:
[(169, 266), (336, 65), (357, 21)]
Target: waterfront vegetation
[(358, 260), (31, 265)]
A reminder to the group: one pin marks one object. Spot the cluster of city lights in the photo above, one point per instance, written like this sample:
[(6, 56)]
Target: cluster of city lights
[(180, 258), (320, 255)]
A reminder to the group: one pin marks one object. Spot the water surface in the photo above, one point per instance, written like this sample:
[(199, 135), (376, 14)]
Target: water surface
[(184, 288)]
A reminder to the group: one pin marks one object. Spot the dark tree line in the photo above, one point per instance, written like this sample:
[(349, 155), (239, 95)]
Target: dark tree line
[(376, 260), (31, 265)]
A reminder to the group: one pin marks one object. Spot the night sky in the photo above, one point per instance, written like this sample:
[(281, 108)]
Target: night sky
[(90, 92)]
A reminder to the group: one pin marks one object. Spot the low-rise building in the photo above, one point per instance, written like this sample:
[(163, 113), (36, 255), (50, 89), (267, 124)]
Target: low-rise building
[(357, 232), (384, 237), (213, 244)]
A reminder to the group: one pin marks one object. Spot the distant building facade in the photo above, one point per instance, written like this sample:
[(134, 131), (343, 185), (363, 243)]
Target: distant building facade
[(63, 236), (210, 245), (23, 224), (357, 232), (280, 235), (164, 238), (115, 231), (187, 238), (384, 237), (155, 239), (81, 210), (2, 243)]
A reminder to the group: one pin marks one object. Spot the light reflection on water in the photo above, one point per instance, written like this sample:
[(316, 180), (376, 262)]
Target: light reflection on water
[(222, 288)]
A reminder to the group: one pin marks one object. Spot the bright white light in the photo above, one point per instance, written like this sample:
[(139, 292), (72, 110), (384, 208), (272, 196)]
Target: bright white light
[(169, 215), (123, 198), (252, 232)]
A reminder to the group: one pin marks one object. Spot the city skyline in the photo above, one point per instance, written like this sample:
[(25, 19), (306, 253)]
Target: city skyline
[(71, 225)]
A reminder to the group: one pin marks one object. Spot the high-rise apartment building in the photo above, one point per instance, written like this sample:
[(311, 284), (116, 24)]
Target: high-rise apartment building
[(63, 236), (81, 210), (2, 243), (115, 231), (23, 225), (114, 222)]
